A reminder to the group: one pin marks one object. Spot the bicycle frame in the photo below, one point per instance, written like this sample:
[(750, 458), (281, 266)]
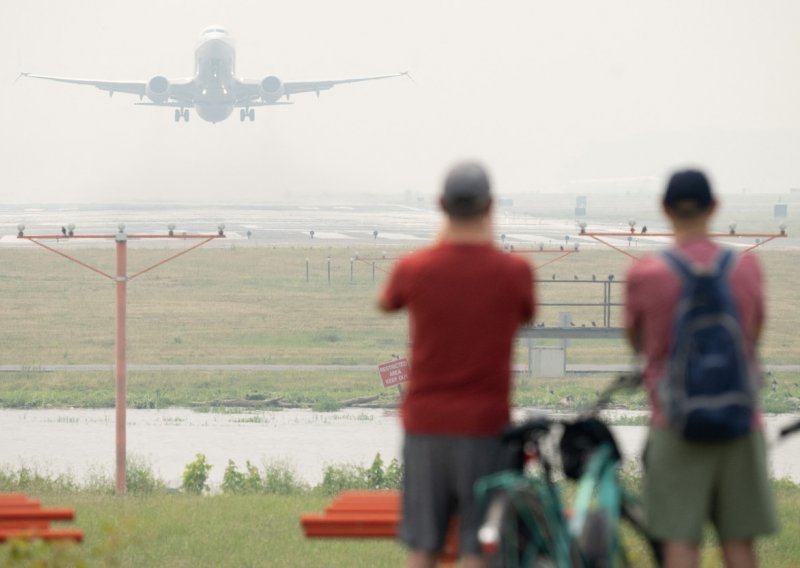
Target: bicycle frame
[(549, 533)]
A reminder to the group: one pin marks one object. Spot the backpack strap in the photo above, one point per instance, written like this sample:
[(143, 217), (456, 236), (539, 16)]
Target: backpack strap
[(721, 265), (725, 260)]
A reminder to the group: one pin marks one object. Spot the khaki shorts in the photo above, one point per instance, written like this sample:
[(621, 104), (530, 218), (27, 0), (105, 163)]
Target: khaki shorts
[(689, 483)]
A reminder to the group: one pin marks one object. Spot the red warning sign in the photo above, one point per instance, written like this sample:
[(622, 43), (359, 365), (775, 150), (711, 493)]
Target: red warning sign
[(394, 372)]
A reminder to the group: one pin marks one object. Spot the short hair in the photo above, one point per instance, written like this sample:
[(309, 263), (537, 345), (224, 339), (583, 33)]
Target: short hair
[(467, 191)]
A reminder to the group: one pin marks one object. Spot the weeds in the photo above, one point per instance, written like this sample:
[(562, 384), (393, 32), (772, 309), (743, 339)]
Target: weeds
[(195, 476), (338, 478)]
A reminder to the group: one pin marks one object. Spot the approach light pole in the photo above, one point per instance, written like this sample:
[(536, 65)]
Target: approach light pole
[(121, 366), (121, 280), (760, 238)]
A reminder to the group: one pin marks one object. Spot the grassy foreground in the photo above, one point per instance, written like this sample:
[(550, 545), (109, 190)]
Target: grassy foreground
[(263, 530), (192, 531)]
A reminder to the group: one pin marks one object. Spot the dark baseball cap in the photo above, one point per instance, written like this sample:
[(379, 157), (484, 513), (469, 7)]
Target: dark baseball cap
[(467, 190), (688, 186)]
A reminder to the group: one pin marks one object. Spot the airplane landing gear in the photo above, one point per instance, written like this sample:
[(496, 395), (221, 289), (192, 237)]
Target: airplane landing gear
[(185, 115), (177, 115), (242, 114), (182, 114), (247, 113), (251, 114)]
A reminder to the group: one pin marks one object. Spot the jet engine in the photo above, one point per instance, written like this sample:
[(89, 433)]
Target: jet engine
[(158, 89), (271, 89)]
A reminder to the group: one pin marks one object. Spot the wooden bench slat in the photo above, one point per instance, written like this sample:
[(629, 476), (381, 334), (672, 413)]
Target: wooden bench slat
[(20, 505), (12, 496), (361, 508), (27, 513), (44, 534), (375, 526), (16, 524), (391, 496), (15, 500)]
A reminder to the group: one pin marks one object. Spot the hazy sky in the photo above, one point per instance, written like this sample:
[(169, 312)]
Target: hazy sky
[(548, 94)]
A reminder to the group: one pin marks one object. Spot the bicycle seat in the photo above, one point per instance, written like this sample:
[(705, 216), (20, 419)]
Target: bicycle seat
[(523, 431), (579, 440)]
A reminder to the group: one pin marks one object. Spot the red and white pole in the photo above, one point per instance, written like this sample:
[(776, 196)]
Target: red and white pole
[(121, 364)]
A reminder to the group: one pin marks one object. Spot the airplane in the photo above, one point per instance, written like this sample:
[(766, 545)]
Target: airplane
[(214, 91)]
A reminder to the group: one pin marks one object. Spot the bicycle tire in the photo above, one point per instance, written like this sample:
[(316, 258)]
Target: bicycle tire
[(596, 540), (526, 535)]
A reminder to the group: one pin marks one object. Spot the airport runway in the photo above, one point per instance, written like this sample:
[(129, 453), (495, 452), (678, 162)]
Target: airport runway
[(386, 224)]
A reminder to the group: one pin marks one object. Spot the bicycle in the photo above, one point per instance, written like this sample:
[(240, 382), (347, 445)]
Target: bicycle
[(526, 522)]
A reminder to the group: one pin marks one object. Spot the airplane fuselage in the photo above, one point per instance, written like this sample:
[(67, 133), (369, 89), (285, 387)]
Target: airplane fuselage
[(215, 59)]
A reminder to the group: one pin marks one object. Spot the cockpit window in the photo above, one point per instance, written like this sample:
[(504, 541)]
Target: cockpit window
[(215, 30)]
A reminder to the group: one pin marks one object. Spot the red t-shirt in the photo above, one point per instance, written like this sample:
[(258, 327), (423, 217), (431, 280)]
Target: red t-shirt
[(465, 304), (652, 293)]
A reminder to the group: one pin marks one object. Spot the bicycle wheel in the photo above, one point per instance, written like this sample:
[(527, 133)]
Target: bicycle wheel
[(528, 535), (596, 540)]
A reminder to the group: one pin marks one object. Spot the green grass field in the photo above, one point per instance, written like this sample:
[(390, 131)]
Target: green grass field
[(253, 305)]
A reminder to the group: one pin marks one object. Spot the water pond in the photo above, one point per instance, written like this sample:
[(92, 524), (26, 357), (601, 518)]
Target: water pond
[(81, 441)]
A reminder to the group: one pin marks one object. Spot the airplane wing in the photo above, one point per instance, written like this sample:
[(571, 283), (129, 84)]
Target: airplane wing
[(180, 90), (248, 91), (296, 87), (132, 87)]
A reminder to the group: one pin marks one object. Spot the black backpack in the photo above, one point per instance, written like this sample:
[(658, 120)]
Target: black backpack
[(709, 391)]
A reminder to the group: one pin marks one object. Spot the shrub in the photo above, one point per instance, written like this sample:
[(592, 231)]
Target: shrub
[(281, 479), (338, 478), (34, 481), (393, 477), (140, 479), (278, 479), (375, 474), (232, 479), (195, 476)]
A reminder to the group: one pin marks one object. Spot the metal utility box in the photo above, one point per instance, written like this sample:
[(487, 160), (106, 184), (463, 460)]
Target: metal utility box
[(548, 362)]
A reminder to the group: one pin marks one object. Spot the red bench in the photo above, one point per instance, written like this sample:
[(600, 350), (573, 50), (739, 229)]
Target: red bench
[(365, 514), (21, 517)]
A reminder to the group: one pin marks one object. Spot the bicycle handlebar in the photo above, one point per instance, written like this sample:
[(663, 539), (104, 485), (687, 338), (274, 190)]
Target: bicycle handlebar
[(540, 425), (790, 429), (625, 381)]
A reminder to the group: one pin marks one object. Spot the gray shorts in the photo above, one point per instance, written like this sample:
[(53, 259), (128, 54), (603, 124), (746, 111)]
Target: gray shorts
[(438, 477)]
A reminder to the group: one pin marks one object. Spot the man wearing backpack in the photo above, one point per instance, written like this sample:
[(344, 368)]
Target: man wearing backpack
[(695, 314)]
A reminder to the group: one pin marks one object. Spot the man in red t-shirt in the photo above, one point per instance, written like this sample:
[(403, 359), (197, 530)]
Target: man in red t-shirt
[(466, 300), (688, 483)]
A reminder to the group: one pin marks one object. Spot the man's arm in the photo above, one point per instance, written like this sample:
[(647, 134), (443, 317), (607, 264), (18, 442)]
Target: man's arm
[(529, 308), (633, 332), (634, 339), (390, 298), (384, 305)]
